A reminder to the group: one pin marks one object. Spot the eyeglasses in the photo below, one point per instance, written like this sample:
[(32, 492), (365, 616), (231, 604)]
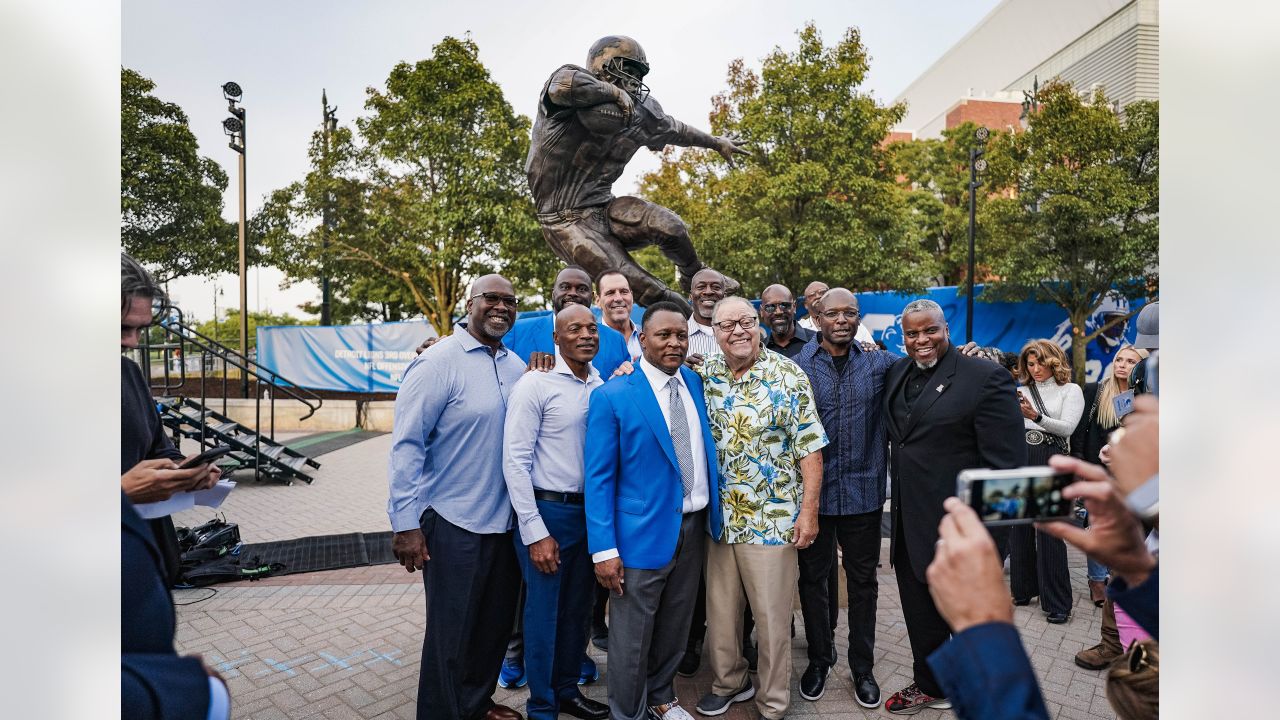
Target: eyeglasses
[(495, 298), (746, 323), (846, 314), (775, 307)]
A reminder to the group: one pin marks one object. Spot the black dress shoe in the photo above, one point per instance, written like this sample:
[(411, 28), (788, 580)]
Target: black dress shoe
[(813, 683), (601, 641), (584, 708), (865, 690), (752, 655), (1022, 602), (1057, 618)]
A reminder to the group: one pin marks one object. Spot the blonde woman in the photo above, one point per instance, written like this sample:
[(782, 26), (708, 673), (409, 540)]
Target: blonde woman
[(1093, 430), (1051, 408)]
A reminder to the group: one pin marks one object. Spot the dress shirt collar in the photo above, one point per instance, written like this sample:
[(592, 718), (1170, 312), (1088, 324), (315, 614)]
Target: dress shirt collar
[(697, 327), (658, 379), (562, 368), (470, 343)]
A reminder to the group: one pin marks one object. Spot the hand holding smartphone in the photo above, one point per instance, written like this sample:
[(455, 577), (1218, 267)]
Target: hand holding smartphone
[(1018, 496), (205, 457)]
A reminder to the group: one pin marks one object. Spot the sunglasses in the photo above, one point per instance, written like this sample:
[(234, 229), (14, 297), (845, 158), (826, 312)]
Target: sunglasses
[(510, 301), (774, 307)]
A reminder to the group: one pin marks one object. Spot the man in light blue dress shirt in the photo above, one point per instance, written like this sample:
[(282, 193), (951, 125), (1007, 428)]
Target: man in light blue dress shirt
[(545, 433), (449, 506)]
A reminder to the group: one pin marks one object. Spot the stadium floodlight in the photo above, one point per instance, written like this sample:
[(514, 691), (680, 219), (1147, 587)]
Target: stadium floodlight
[(231, 91)]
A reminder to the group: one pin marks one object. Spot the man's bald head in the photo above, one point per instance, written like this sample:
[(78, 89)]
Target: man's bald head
[(576, 333), (707, 289), (812, 294), (838, 318), (778, 311), (491, 308)]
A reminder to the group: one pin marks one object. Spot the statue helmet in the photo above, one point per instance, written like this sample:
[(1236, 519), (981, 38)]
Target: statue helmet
[(621, 61)]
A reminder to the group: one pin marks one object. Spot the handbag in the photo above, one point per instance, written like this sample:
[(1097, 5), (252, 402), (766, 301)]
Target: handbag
[(1060, 443)]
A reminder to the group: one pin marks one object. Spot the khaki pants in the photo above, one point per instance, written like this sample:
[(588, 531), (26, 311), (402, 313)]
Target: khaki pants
[(766, 576)]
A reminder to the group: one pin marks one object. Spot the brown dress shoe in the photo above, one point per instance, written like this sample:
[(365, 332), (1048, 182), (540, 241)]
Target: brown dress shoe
[(1097, 592), (502, 712)]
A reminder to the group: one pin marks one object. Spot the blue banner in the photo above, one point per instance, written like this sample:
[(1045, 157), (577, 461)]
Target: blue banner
[(352, 358)]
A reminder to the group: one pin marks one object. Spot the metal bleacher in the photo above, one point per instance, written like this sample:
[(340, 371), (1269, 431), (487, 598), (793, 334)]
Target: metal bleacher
[(182, 350)]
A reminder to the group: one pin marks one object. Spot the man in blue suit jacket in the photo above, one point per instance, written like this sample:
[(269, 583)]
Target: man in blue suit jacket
[(533, 335), (155, 682), (650, 465)]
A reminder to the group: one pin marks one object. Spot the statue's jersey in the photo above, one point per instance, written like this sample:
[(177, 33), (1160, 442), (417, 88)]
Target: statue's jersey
[(569, 166)]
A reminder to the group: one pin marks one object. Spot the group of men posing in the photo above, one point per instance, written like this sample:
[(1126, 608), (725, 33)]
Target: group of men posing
[(643, 458)]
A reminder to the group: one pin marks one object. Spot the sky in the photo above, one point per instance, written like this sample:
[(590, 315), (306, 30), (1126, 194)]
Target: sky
[(283, 53)]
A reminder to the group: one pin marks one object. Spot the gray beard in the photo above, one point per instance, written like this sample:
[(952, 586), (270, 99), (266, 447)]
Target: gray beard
[(926, 366)]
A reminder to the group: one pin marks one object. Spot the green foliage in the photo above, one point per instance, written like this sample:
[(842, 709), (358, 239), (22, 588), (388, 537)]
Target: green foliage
[(227, 330), (816, 199), (170, 197), (434, 196), (938, 174), (1078, 212)]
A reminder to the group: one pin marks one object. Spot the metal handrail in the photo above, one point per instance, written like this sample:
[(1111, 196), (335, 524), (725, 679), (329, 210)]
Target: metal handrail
[(174, 326)]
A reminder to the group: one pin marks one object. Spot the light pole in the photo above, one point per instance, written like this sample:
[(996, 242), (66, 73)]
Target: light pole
[(330, 127), (977, 164), (234, 127)]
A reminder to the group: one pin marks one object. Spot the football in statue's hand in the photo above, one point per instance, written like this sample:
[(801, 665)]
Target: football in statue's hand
[(602, 119)]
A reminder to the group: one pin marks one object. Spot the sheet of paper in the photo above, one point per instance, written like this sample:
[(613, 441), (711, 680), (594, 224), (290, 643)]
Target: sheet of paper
[(212, 497)]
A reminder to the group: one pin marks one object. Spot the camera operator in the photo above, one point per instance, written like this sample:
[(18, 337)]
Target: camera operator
[(982, 668)]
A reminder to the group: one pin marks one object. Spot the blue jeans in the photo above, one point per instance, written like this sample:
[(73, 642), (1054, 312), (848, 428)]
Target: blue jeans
[(1097, 571)]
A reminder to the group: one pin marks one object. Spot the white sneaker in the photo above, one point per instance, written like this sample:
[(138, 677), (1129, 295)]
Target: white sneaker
[(669, 711)]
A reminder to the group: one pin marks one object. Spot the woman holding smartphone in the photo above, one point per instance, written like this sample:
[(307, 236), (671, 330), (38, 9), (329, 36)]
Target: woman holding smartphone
[(1051, 408), (1094, 429)]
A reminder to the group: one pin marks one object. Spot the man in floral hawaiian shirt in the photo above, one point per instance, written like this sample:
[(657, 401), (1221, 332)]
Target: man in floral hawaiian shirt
[(768, 435)]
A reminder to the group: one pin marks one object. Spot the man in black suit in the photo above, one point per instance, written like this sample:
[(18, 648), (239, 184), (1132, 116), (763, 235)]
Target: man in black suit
[(945, 412), (155, 682)]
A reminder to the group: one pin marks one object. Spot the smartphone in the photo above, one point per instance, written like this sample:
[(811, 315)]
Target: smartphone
[(1123, 403), (1017, 496), (205, 457)]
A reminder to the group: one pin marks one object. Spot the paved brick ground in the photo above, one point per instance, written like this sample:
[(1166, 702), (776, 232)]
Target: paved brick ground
[(346, 643)]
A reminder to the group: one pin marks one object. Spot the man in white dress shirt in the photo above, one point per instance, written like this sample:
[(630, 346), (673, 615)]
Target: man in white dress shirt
[(545, 431), (707, 290)]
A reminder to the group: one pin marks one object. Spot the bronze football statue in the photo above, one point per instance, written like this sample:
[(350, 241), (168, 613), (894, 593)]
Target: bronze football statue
[(590, 122)]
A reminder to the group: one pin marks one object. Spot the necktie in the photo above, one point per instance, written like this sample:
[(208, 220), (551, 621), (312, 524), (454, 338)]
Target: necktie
[(680, 435)]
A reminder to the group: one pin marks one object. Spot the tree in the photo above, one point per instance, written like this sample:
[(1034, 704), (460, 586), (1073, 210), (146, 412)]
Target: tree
[(1079, 216), (816, 199), (435, 196), (936, 172), (170, 197)]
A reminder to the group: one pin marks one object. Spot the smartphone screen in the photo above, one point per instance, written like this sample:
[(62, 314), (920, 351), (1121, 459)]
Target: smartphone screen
[(207, 456), (1027, 498), (1123, 403)]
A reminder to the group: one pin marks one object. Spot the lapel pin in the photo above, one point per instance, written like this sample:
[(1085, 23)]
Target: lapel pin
[(941, 387)]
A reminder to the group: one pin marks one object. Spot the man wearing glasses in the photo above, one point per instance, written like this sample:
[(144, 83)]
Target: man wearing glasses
[(449, 505), (767, 436), (848, 385), (778, 313)]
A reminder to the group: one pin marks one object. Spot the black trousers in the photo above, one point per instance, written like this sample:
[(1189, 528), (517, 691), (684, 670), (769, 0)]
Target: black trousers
[(1038, 566), (1038, 562), (472, 582), (926, 629), (859, 538)]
